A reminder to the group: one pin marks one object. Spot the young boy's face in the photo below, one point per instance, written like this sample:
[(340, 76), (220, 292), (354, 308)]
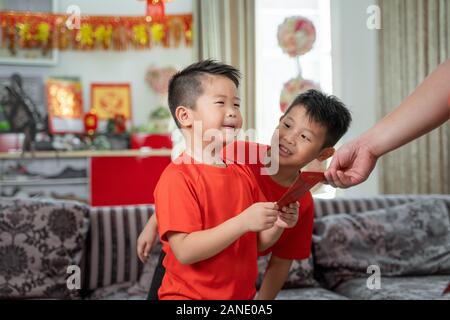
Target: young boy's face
[(300, 140), (218, 111)]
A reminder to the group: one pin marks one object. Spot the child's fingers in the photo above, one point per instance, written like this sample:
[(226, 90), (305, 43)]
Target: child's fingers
[(140, 255), (282, 224), (272, 212), (288, 216), (146, 249), (271, 205)]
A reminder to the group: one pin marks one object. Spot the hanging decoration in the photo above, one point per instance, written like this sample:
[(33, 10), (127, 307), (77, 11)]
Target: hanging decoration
[(45, 31), (292, 88), (90, 123), (296, 37), (158, 78), (155, 9)]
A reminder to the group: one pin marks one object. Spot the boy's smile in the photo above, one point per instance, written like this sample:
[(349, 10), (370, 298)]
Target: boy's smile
[(218, 109), (300, 140)]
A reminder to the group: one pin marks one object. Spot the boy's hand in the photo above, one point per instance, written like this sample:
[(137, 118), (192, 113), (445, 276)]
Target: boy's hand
[(260, 216), (146, 241), (288, 216)]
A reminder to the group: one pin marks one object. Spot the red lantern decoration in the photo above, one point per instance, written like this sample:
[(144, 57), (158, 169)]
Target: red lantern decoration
[(90, 123), (120, 124), (447, 290), (155, 9)]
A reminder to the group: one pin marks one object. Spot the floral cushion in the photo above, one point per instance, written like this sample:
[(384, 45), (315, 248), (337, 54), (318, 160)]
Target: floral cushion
[(39, 239), (410, 239), (121, 291), (309, 294), (398, 288)]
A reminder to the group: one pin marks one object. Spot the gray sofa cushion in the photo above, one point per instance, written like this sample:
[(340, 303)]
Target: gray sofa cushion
[(398, 288), (118, 291), (301, 273), (38, 241), (309, 294), (410, 239), (111, 257)]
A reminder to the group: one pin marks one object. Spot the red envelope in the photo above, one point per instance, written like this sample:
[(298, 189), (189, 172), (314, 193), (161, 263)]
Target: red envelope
[(304, 182), (447, 290)]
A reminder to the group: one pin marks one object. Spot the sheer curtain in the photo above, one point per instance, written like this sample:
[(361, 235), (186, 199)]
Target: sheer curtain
[(225, 31), (414, 40)]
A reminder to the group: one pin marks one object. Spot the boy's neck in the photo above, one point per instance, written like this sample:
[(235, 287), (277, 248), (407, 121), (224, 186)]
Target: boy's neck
[(204, 156), (285, 176)]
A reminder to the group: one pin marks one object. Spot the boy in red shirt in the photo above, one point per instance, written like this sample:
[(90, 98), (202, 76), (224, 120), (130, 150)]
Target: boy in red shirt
[(209, 224), (307, 132)]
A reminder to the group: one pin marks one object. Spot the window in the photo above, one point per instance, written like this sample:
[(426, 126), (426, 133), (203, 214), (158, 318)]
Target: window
[(274, 68)]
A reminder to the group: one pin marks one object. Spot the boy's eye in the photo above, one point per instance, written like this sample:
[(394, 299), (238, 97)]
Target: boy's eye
[(237, 105), (220, 102), (286, 125), (305, 138)]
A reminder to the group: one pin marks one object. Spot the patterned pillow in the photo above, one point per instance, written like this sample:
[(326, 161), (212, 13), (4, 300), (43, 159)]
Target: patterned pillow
[(410, 239), (39, 239)]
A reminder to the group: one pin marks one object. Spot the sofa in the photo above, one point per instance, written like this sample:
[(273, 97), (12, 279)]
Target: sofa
[(383, 247)]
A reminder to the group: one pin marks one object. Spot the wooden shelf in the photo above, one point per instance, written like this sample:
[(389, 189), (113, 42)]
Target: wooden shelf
[(86, 154)]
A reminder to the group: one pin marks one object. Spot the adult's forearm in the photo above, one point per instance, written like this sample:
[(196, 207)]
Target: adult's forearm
[(425, 109), (201, 245)]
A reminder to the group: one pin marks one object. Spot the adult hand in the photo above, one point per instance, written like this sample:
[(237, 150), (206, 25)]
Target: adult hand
[(351, 165)]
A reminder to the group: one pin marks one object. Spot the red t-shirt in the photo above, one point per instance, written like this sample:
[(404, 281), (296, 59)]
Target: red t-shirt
[(193, 197), (294, 243)]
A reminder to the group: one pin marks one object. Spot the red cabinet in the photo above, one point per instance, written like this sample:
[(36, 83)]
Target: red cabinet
[(125, 180)]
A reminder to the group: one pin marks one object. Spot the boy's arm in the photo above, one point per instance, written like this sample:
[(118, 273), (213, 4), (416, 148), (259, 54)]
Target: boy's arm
[(276, 274), (267, 238), (287, 218), (147, 239), (196, 246)]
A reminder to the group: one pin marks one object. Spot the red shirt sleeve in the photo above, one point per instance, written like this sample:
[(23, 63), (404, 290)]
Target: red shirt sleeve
[(176, 204)]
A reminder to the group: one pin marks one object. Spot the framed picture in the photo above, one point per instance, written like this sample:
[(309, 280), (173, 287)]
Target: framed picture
[(65, 105), (28, 56), (111, 99), (33, 89)]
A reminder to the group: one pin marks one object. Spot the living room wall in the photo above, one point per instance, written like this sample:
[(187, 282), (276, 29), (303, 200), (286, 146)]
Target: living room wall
[(114, 66), (355, 74)]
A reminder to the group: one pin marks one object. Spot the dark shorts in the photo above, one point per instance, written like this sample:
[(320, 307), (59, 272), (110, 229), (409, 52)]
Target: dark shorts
[(157, 278)]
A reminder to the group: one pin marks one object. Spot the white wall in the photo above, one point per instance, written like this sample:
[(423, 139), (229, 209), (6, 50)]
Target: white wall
[(115, 66), (355, 73)]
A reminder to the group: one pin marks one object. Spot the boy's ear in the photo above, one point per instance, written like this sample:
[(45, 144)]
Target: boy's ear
[(325, 154), (184, 116)]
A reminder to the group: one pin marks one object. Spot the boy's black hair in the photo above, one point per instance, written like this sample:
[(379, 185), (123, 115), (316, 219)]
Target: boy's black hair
[(186, 86), (326, 110)]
